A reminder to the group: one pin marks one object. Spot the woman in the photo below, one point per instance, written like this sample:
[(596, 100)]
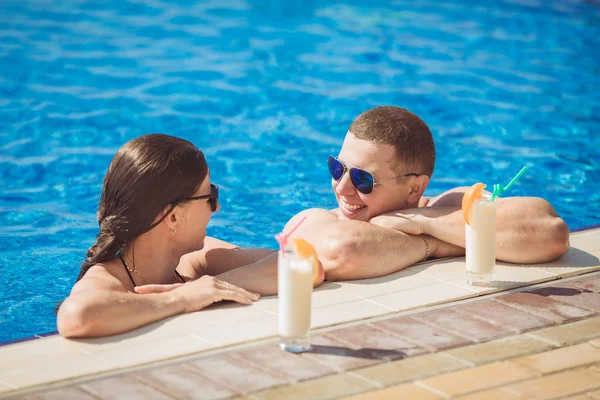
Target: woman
[(155, 205)]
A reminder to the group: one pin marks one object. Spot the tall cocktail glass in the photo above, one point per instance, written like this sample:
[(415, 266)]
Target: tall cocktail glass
[(295, 285), (481, 241)]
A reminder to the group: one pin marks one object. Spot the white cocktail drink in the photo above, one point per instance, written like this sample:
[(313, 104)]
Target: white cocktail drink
[(481, 241), (295, 285)]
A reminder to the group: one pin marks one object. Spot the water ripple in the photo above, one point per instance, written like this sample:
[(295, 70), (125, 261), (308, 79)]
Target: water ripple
[(267, 89)]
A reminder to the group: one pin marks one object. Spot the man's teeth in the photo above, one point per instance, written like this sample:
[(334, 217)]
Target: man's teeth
[(350, 207)]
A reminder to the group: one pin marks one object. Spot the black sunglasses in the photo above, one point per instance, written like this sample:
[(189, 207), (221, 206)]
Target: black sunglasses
[(362, 180), (213, 197)]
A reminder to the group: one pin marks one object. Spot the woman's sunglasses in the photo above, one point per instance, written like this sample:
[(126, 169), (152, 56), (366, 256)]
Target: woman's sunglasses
[(362, 180), (213, 197)]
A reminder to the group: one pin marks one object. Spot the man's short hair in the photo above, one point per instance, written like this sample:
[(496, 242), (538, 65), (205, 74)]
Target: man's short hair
[(402, 129)]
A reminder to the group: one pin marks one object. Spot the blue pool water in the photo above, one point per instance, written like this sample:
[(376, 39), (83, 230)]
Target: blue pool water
[(268, 88)]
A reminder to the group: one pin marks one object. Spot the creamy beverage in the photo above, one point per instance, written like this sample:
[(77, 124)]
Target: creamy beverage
[(481, 241), (295, 285)]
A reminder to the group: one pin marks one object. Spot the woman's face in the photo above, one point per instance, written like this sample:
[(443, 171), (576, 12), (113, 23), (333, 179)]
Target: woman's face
[(194, 216)]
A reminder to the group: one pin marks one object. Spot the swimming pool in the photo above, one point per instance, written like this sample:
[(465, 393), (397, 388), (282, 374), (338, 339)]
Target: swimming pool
[(267, 89)]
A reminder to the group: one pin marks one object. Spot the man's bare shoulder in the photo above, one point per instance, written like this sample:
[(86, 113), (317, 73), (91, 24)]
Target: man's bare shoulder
[(450, 198), (315, 215), (318, 213)]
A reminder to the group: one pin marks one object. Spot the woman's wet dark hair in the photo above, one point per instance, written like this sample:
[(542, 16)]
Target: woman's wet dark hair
[(146, 175)]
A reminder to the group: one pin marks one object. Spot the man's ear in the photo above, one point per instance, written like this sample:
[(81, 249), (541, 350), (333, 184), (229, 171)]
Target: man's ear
[(417, 188)]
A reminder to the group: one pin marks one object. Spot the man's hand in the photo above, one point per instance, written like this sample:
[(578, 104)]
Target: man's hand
[(409, 223)]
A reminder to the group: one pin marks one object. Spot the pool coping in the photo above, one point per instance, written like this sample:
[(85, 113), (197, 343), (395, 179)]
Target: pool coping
[(375, 356), (423, 286), (46, 334)]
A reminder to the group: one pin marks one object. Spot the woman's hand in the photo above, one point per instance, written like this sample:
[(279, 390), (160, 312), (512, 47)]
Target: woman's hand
[(202, 292)]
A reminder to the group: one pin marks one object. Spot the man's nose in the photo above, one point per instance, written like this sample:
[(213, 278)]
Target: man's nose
[(344, 186)]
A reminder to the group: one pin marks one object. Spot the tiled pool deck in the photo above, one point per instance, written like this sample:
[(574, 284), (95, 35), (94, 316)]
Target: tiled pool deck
[(391, 337)]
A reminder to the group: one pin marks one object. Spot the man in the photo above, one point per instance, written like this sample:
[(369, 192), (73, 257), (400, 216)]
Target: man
[(384, 223)]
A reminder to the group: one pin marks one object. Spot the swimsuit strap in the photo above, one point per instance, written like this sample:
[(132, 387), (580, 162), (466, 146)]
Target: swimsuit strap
[(179, 276), (127, 269)]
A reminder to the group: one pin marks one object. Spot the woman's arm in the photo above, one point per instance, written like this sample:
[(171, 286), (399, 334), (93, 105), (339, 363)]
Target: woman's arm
[(99, 305), (218, 256)]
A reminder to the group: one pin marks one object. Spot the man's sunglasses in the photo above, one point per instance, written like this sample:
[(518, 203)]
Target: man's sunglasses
[(362, 180), (213, 197)]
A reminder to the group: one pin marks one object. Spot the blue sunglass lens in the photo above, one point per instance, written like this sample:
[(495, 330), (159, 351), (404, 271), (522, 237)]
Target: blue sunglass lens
[(362, 180), (336, 168)]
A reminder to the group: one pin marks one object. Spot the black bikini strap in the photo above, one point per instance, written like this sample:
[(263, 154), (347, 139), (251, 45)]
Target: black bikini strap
[(179, 276), (127, 269)]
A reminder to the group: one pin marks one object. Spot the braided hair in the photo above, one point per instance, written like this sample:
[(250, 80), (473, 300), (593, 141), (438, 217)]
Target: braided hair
[(146, 175)]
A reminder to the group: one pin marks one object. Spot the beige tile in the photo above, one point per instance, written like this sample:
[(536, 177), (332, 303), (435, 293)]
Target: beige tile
[(573, 263), (569, 333), (123, 387), (346, 312), (569, 271), (500, 349), (411, 368), (560, 359), (402, 280), (323, 296), (478, 378), (479, 290), (423, 296), (5, 388), (219, 313), (179, 325), (163, 349), (491, 394), (58, 369), (145, 334), (332, 293), (447, 270), (232, 332), (22, 356), (507, 276), (587, 241), (511, 273), (557, 385), (269, 304), (594, 394), (60, 393), (32, 369), (406, 391), (578, 397), (329, 387)]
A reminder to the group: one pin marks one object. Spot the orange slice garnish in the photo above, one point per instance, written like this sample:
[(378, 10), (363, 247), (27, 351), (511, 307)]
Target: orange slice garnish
[(473, 193), (303, 249)]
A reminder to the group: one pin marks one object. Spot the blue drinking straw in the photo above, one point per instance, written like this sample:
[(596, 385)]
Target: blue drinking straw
[(499, 190)]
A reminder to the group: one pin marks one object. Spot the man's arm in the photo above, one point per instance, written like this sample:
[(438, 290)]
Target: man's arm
[(358, 250), (528, 230)]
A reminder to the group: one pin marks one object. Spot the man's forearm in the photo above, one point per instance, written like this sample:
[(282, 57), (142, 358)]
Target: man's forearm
[(527, 229), (358, 250), (361, 250)]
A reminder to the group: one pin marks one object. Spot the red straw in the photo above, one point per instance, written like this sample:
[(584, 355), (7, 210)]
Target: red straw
[(283, 237)]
